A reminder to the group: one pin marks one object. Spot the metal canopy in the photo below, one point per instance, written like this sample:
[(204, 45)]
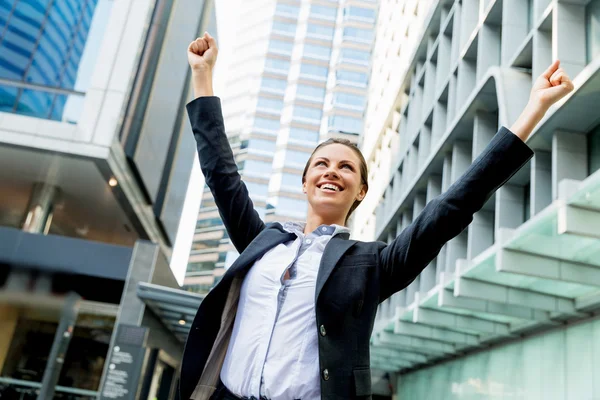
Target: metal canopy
[(545, 272), (175, 308)]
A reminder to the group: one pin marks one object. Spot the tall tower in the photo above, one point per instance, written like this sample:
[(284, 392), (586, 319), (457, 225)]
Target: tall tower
[(299, 75)]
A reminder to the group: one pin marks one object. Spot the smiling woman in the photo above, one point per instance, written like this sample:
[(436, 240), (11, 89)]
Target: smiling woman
[(293, 315)]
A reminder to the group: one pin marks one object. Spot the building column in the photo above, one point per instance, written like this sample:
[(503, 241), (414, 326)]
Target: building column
[(569, 158), (39, 210)]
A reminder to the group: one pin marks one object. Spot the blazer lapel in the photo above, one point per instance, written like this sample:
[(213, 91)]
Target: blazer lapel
[(265, 241), (334, 250)]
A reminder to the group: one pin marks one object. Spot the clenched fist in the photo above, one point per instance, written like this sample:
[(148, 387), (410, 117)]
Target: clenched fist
[(202, 53), (551, 86)]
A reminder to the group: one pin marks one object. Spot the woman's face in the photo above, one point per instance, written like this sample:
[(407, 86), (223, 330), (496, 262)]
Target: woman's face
[(333, 182)]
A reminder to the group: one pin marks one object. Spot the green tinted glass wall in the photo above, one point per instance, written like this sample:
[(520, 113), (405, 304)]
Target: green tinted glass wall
[(562, 364)]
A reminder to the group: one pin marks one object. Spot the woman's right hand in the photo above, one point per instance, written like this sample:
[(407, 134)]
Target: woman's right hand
[(202, 54)]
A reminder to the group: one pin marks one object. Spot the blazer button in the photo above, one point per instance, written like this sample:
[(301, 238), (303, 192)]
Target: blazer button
[(322, 330), (326, 374)]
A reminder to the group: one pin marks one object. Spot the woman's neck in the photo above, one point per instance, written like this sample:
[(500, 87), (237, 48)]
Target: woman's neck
[(313, 221)]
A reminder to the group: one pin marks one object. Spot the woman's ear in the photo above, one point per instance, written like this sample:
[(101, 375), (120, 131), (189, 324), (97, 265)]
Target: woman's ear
[(363, 192), (304, 187)]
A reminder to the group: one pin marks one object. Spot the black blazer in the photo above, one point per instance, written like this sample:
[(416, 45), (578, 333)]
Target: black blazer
[(354, 277)]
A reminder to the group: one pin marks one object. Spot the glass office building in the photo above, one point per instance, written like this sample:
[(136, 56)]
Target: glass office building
[(508, 308), (95, 166), (42, 47), (299, 75)]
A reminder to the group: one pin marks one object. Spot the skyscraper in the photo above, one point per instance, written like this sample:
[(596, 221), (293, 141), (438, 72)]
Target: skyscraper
[(299, 75)]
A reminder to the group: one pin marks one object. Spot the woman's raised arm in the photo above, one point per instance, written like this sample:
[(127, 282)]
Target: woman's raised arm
[(216, 158), (450, 213)]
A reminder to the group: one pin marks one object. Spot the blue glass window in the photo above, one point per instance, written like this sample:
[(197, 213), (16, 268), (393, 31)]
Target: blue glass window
[(362, 35), (311, 92), (281, 46), (320, 30), (292, 207), (306, 135), (355, 56), (269, 104), (287, 10), (314, 70), (284, 27), (262, 145), (307, 113), (277, 65), (353, 100), (355, 78), (359, 13), (313, 50), (266, 125), (342, 123), (260, 168), (257, 189), (323, 11), (273, 85)]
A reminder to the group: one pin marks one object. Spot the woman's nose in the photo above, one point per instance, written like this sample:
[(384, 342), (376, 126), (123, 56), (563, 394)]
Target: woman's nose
[(332, 172)]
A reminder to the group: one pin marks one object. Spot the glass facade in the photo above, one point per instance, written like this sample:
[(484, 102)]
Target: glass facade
[(47, 53), (299, 67)]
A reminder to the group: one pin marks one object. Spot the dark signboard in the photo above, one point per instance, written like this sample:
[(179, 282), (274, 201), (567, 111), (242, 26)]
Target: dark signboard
[(125, 363)]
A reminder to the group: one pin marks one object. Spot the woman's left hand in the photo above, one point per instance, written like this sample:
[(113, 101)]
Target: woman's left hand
[(550, 87)]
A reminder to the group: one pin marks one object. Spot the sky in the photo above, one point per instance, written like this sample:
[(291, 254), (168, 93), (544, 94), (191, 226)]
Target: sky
[(226, 19)]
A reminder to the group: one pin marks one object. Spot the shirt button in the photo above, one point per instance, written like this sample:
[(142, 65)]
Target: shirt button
[(322, 330), (326, 374), (308, 241)]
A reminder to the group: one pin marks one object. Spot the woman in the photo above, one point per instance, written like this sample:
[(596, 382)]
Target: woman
[(292, 317)]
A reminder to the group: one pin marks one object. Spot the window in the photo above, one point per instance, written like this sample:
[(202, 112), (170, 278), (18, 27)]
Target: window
[(280, 46), (306, 135), (310, 92), (287, 10), (257, 189), (307, 113), (314, 70), (354, 78), (345, 124), (294, 158), (255, 167), (292, 181), (284, 27), (273, 85), (266, 125), (313, 50), (323, 12), (292, 207), (261, 145), (277, 65), (269, 104), (355, 56), (593, 29), (357, 34), (320, 30), (347, 99), (358, 13)]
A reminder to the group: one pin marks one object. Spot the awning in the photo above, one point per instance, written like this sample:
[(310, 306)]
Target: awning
[(545, 272), (175, 308)]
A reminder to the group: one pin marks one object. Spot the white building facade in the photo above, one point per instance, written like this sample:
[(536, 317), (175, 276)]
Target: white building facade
[(506, 310)]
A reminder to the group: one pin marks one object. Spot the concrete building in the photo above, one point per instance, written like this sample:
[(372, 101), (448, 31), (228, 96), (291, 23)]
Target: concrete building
[(508, 308), (299, 75), (95, 160)]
